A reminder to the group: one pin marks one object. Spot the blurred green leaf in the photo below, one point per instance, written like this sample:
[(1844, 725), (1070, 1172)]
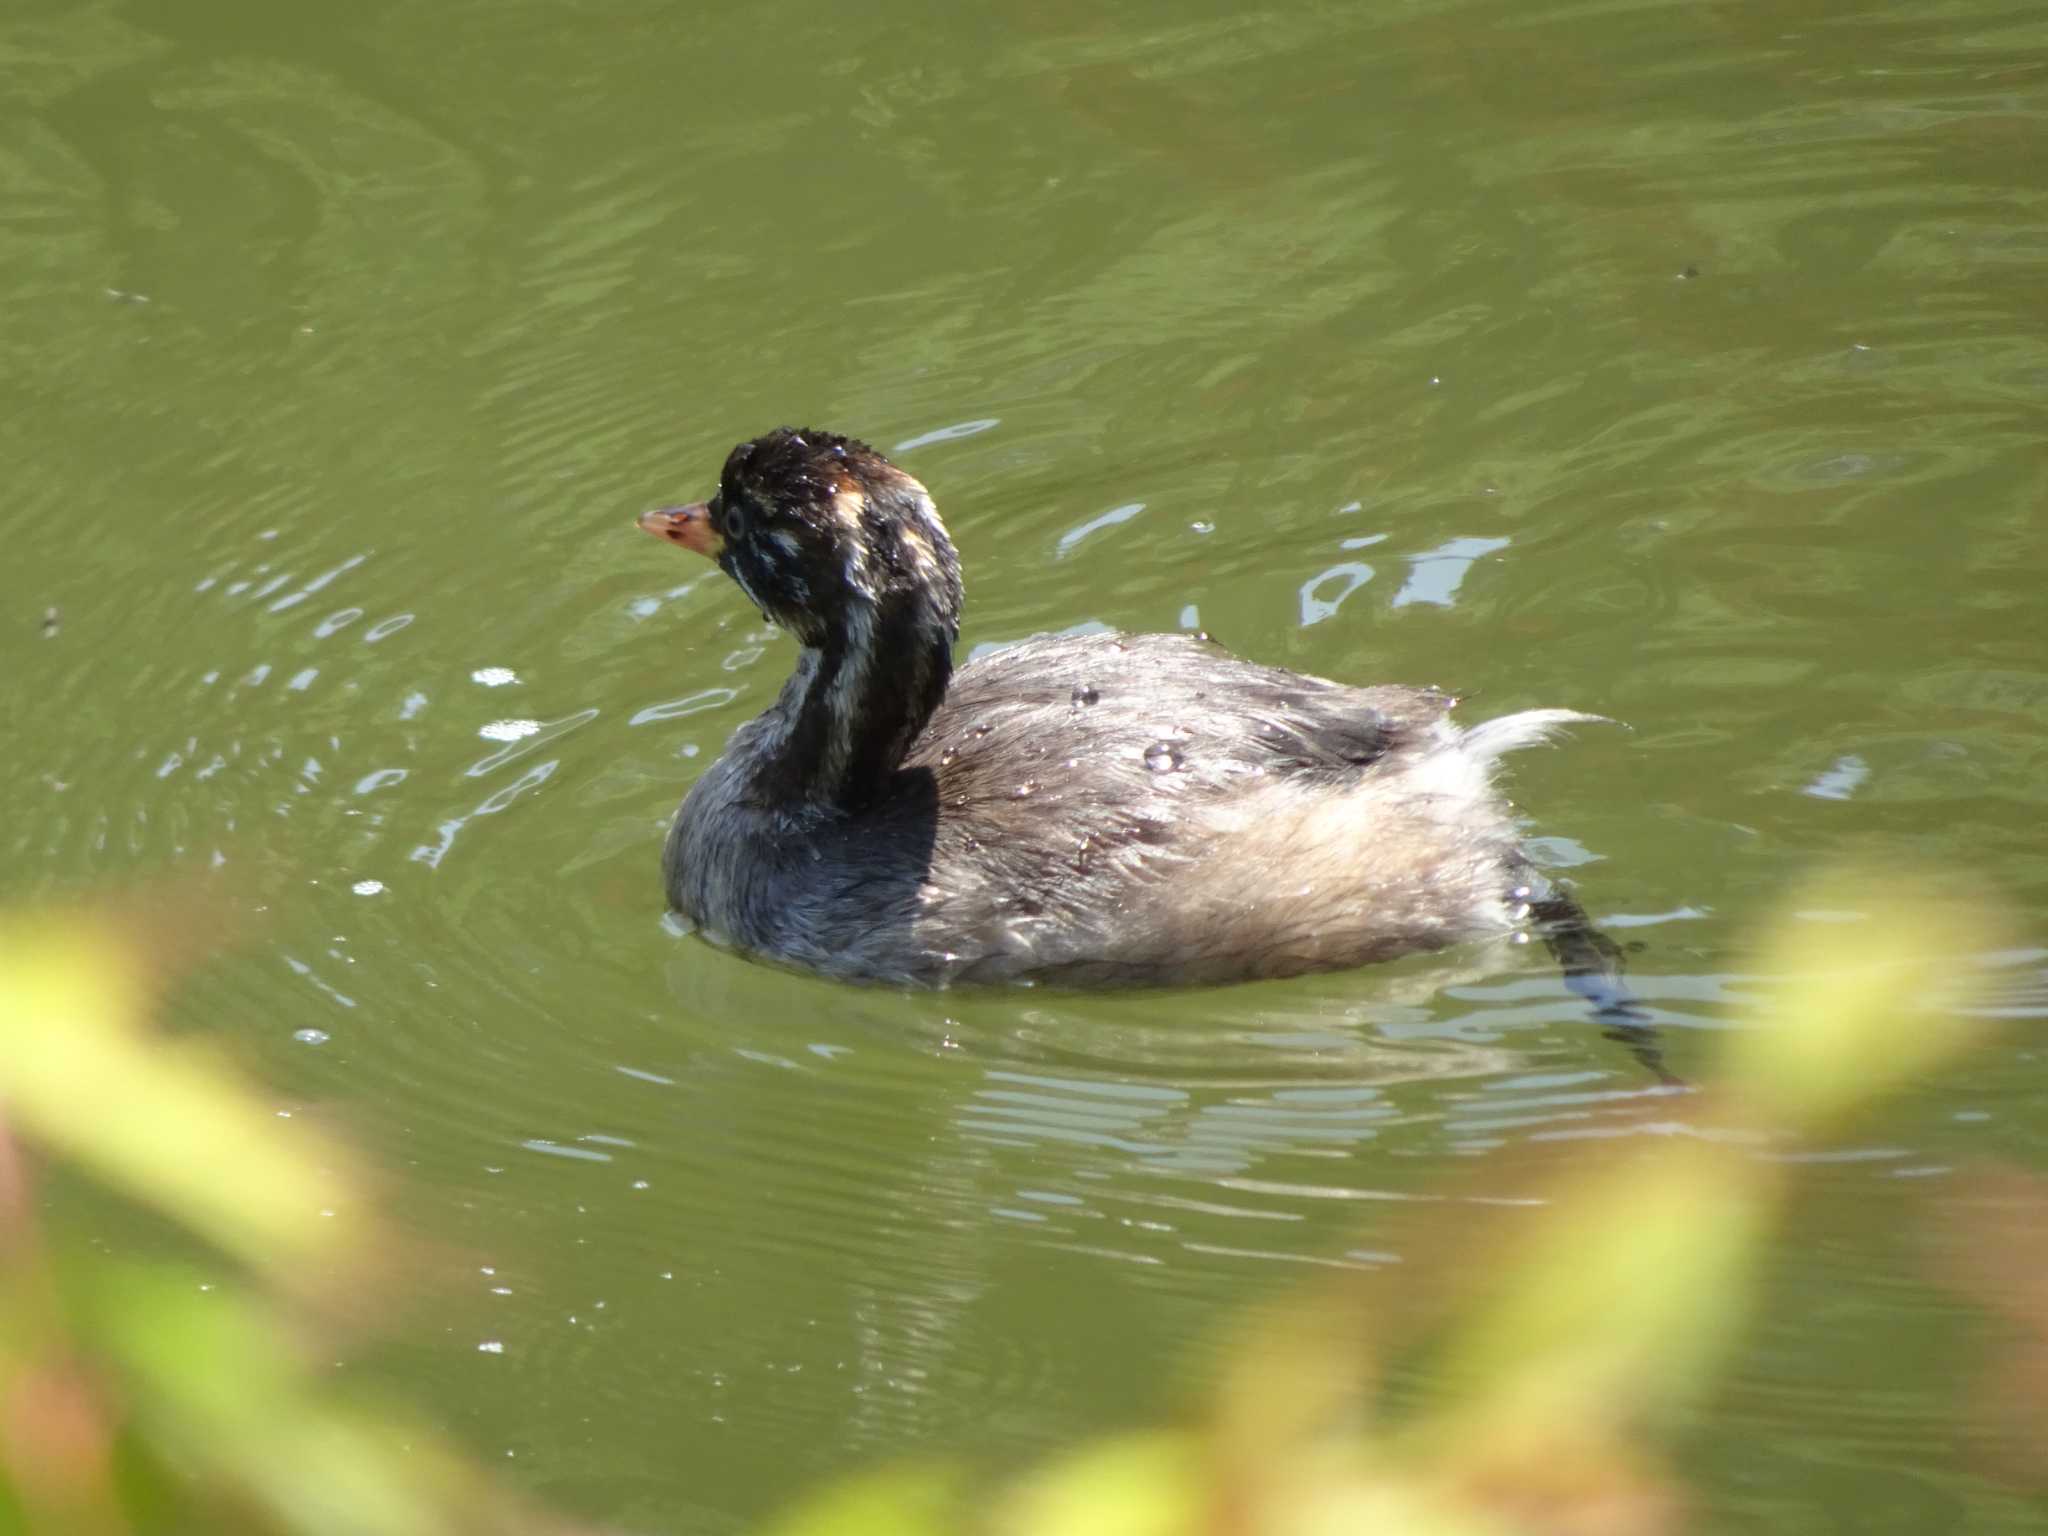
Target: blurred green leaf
[(217, 1382)]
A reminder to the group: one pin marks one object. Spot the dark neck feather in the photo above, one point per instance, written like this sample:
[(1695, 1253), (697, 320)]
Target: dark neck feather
[(856, 702)]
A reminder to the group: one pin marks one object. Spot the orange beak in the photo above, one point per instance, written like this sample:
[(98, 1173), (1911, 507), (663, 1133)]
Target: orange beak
[(688, 526)]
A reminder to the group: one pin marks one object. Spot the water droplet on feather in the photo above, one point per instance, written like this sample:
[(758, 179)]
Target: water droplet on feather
[(1163, 757)]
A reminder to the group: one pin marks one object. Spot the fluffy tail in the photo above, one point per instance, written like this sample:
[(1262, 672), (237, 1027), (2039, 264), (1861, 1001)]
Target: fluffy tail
[(1530, 728)]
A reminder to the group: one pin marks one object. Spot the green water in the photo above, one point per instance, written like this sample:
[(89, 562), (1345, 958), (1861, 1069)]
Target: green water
[(1685, 363)]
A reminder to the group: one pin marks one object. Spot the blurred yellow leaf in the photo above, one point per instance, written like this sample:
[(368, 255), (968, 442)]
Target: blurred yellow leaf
[(156, 1119), (1137, 1485), (918, 1499), (1620, 1302), (1870, 998)]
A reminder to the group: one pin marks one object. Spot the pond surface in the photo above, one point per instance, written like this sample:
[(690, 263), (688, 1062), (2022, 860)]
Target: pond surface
[(1683, 363)]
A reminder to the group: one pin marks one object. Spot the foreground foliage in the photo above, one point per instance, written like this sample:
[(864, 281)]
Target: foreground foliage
[(1563, 1343), (147, 1395)]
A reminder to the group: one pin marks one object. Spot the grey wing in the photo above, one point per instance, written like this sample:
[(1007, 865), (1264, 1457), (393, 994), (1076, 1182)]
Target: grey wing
[(1110, 737), (1106, 697)]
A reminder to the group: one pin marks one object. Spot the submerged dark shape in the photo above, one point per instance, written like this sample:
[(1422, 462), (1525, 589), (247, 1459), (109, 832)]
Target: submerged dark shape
[(1087, 810)]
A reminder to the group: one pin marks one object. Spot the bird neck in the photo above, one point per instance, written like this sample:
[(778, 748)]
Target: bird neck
[(856, 702)]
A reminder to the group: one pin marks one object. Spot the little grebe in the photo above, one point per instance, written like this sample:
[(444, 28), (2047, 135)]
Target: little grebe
[(1095, 809)]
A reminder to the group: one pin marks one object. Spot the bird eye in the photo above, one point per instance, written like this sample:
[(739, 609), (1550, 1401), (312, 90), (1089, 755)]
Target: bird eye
[(735, 520)]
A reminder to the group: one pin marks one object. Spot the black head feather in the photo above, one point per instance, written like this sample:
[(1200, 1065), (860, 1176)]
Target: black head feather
[(823, 533)]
